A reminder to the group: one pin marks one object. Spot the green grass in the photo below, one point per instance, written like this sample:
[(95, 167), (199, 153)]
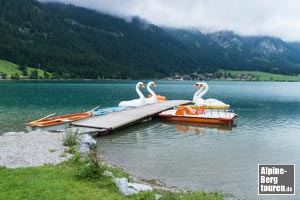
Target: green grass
[(263, 76), (40, 71), (10, 68), (61, 182)]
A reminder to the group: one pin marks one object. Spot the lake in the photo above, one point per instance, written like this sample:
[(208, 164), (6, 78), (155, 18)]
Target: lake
[(194, 157)]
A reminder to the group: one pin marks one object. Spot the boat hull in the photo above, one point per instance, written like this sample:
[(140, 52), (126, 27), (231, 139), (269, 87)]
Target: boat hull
[(222, 121), (57, 127), (56, 122), (201, 115)]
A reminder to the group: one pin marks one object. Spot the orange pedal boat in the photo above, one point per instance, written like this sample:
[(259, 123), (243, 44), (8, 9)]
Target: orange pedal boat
[(57, 122), (200, 115), (158, 97)]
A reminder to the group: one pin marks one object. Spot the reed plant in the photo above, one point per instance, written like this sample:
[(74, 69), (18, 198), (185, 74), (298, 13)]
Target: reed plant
[(71, 137)]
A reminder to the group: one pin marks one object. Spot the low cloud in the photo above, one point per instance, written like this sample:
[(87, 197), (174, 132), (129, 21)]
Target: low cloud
[(249, 17)]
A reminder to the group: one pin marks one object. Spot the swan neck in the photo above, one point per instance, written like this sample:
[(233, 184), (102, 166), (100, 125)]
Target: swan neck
[(203, 91), (198, 94), (151, 91), (138, 91)]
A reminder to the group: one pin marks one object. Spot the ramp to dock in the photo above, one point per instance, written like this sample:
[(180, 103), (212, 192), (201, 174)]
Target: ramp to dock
[(124, 118)]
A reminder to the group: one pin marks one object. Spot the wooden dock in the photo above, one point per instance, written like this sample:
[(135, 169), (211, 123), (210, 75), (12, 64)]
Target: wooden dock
[(117, 120)]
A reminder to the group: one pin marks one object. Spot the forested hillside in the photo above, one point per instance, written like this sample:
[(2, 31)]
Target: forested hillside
[(74, 42), (77, 42), (227, 50)]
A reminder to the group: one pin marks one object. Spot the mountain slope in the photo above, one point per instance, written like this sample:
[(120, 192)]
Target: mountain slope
[(72, 42), (81, 42), (11, 69), (230, 51)]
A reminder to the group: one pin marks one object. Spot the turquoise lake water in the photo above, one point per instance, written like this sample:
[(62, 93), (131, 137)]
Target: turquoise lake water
[(193, 157)]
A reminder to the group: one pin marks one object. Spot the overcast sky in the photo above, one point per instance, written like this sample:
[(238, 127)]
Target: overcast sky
[(280, 18)]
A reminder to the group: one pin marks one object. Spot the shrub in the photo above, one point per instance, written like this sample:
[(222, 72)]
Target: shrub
[(70, 137), (72, 150), (94, 166), (34, 74)]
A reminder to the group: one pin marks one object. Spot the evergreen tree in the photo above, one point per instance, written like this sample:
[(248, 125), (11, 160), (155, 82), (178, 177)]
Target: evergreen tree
[(23, 69), (46, 75), (75, 42), (34, 74), (15, 76)]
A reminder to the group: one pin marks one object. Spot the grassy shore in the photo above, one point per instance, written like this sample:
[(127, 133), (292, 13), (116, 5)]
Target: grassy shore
[(262, 76), (10, 69), (63, 182)]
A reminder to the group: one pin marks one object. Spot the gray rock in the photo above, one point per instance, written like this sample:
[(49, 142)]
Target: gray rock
[(86, 141), (122, 184), (86, 138), (157, 196), (84, 148), (130, 188), (108, 173), (140, 187)]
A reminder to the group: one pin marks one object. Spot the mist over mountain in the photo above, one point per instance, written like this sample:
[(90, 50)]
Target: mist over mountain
[(231, 51), (74, 42)]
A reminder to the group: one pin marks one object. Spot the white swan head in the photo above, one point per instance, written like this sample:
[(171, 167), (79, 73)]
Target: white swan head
[(138, 91), (202, 89), (153, 98), (199, 85), (151, 84), (140, 85)]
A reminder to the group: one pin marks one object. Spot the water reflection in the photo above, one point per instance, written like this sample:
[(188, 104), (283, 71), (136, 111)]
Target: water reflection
[(213, 157), (197, 128), (194, 157)]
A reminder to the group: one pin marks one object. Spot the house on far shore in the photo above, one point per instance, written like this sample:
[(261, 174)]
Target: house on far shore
[(187, 77), (244, 76), (177, 78)]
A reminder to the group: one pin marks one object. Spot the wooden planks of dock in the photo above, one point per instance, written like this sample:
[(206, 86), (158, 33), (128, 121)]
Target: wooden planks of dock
[(117, 120)]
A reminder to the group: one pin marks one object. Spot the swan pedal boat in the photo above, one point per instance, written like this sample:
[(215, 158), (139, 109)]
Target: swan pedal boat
[(158, 97), (152, 94), (141, 101), (200, 115), (209, 103), (50, 123)]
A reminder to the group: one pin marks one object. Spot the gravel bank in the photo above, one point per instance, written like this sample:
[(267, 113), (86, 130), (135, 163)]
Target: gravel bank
[(19, 149)]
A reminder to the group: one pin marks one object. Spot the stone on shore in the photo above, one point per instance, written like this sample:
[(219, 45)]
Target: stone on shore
[(130, 188), (86, 142), (108, 173)]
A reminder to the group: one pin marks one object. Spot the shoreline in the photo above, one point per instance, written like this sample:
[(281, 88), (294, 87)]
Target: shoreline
[(22, 149), (38, 148), (155, 79), (155, 183), (38, 155)]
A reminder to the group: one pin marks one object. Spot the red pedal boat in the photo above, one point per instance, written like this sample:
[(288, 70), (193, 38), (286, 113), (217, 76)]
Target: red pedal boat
[(200, 115)]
